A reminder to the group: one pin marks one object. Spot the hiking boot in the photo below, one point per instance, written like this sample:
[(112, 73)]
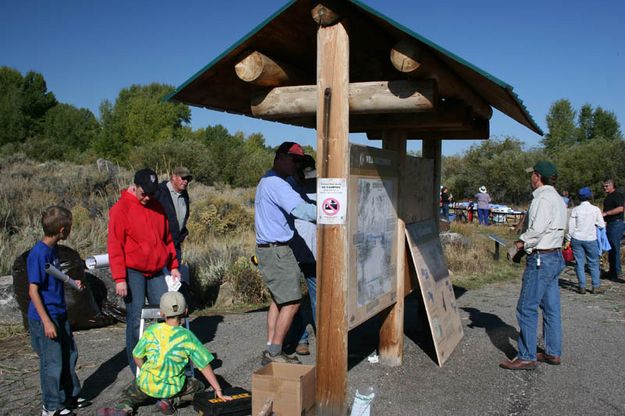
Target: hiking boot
[(280, 358), (581, 290), (302, 349), (59, 412), (166, 406), (77, 403)]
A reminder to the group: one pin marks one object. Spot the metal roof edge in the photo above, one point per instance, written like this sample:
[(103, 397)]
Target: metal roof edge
[(251, 33)]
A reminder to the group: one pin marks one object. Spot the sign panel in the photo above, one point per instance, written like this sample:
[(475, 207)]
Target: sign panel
[(372, 227), (332, 199), (436, 288)]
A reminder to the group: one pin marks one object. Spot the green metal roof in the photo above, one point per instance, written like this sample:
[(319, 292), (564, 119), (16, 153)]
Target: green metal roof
[(290, 36)]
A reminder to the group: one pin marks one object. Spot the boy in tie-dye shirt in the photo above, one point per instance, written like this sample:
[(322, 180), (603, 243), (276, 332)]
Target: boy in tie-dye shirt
[(162, 354)]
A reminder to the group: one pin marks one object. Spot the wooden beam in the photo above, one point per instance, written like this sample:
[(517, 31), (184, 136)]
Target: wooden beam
[(432, 149), (376, 97), (259, 69), (410, 58), (391, 348), (332, 261)]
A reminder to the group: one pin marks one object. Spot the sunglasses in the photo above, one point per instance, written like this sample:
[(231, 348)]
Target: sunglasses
[(187, 178)]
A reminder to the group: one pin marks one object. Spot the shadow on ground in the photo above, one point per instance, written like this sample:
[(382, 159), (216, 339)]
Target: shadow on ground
[(500, 333)]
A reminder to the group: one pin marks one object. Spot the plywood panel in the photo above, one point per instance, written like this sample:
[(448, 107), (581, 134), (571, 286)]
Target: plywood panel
[(436, 288), (417, 185)]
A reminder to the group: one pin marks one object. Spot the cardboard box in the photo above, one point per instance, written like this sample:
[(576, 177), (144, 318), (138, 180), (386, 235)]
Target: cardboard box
[(290, 386)]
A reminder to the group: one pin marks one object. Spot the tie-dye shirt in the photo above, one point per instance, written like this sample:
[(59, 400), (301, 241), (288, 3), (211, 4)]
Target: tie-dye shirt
[(167, 350)]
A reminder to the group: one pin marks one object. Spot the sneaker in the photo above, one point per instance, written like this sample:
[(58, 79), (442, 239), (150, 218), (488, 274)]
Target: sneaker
[(581, 290), (77, 403), (280, 358), (166, 406), (302, 349), (59, 412)]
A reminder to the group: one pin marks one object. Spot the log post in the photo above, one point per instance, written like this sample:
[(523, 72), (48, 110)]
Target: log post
[(391, 346), (432, 149), (332, 262), (409, 58), (259, 69)]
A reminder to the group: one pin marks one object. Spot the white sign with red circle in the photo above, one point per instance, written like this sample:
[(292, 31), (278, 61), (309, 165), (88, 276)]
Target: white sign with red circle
[(332, 194)]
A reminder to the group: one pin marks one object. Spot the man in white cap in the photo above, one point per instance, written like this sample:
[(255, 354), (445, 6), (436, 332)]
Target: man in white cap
[(483, 208)]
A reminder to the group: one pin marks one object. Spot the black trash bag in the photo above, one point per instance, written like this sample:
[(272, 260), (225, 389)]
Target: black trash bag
[(104, 292), (82, 310)]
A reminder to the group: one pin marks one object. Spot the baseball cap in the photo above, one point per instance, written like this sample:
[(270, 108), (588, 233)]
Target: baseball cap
[(585, 192), (172, 304), (147, 180), (543, 167), (291, 148), (183, 172)]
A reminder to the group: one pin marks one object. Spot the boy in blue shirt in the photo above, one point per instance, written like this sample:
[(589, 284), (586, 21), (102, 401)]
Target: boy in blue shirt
[(50, 333)]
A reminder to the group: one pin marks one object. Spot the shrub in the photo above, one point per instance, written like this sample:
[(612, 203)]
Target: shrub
[(247, 282)]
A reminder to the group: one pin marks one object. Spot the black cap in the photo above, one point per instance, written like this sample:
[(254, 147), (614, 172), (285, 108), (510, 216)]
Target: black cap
[(147, 180)]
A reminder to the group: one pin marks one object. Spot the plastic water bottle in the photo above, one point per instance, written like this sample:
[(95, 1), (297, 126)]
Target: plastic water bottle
[(363, 401)]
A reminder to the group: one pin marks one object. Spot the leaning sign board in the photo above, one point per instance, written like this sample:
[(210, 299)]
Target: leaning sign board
[(372, 228), (436, 287)]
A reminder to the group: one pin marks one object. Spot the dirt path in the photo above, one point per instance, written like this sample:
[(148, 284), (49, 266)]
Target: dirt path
[(589, 382)]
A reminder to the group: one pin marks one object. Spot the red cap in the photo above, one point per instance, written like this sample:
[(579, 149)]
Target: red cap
[(291, 148)]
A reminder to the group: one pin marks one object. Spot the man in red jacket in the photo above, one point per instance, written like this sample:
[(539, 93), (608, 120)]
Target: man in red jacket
[(139, 247)]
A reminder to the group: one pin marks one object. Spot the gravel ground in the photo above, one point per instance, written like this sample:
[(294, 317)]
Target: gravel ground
[(589, 381)]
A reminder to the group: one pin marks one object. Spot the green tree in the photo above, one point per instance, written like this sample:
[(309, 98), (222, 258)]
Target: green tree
[(36, 101), (585, 123), (562, 131), (586, 164), (67, 133), (11, 116), (140, 116), (606, 125)]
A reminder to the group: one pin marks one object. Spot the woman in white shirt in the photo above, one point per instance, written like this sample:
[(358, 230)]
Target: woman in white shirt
[(583, 238)]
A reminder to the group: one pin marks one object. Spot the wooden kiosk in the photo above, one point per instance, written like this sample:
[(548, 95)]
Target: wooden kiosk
[(341, 67)]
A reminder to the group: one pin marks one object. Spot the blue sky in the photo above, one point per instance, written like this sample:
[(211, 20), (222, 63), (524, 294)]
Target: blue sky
[(89, 50)]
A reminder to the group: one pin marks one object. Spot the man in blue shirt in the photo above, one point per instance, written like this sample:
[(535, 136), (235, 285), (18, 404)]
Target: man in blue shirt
[(276, 205)]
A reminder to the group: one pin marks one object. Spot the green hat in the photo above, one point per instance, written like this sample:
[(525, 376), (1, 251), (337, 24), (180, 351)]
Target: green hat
[(545, 168)]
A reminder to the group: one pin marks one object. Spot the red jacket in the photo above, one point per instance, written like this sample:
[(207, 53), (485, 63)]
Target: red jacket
[(139, 238)]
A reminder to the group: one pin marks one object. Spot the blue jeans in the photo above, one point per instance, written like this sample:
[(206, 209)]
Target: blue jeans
[(614, 231), (57, 362), (482, 215), (540, 289), (309, 270), (586, 250), (445, 212), (139, 286)]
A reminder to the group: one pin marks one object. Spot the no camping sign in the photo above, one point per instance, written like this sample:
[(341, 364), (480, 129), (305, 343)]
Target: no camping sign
[(331, 200)]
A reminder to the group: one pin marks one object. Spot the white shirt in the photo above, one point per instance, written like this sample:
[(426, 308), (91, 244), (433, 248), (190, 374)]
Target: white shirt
[(584, 218), (546, 220)]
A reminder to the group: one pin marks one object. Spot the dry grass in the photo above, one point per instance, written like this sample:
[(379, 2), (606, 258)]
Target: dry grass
[(472, 263)]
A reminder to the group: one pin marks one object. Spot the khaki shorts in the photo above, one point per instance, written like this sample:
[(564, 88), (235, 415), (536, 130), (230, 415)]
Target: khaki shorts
[(280, 272)]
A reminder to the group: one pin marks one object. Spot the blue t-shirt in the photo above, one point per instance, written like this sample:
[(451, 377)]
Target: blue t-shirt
[(50, 289), (274, 202)]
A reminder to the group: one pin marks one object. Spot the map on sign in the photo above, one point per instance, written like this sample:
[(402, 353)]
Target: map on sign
[(372, 228), (373, 248)]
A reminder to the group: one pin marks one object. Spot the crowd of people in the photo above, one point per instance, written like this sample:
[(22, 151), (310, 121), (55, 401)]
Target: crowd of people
[(147, 227)]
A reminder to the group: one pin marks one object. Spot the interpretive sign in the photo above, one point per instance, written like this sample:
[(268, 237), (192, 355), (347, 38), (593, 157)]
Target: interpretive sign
[(372, 224), (436, 287)]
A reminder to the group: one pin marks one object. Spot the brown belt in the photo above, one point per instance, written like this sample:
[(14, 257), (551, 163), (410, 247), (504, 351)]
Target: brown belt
[(279, 243), (546, 250)]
